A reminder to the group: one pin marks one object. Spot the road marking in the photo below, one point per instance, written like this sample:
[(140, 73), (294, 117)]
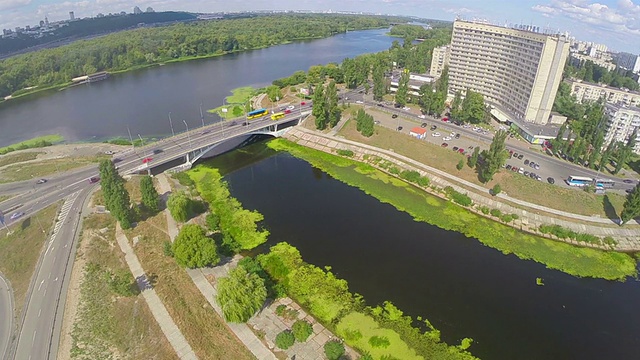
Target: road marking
[(39, 286), (34, 336), (39, 312), (56, 279)]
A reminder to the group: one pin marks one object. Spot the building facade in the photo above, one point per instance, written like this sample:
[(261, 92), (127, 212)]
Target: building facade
[(439, 59), (517, 71), (585, 91), (623, 121)]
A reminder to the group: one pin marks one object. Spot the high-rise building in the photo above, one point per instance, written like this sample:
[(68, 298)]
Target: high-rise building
[(136, 10), (589, 92), (72, 16), (626, 61), (622, 122), (517, 71), (439, 59)]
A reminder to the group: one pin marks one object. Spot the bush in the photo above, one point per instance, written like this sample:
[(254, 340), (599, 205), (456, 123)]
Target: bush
[(506, 218), (193, 249), (485, 210), (285, 340), (285, 312), (460, 165), (167, 249), (496, 189), (410, 175), (394, 170), (301, 330), (333, 349), (213, 222), (495, 212), (347, 153), (240, 295), (121, 283), (458, 197), (379, 341), (423, 181)]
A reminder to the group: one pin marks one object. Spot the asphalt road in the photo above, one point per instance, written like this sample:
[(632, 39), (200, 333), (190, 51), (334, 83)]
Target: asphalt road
[(6, 314), (40, 326), (550, 166)]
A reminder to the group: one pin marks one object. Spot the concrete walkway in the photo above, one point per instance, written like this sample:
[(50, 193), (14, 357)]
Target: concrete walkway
[(628, 237), (242, 331), (169, 328)]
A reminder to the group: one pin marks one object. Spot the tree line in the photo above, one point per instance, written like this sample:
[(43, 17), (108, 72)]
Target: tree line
[(148, 46), (590, 72)]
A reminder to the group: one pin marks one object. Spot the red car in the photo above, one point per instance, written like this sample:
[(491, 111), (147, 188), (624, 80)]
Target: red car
[(146, 160), (303, 103), (444, 145), (445, 119), (94, 180), (287, 111), (461, 151)]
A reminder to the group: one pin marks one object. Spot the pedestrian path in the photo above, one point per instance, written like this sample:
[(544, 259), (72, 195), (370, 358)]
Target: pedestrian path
[(628, 237), (160, 313)]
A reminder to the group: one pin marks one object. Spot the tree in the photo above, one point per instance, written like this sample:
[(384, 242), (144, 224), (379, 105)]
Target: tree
[(116, 197), (631, 208), (455, 106), (333, 111), (403, 88), (494, 157), (379, 83), (240, 295), (606, 155), (150, 197), (285, 339), (319, 107), (193, 249), (274, 93), (473, 159), (625, 152), (496, 189), (213, 221), (460, 164), (364, 123), (301, 330), (333, 349), (473, 108), (180, 206)]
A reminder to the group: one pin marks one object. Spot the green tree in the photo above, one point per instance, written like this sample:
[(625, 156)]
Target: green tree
[(333, 349), (631, 208), (115, 195), (180, 206), (364, 123), (379, 83), (301, 330), (150, 197), (496, 189), (319, 110), (625, 152), (285, 339), (473, 159), (403, 88), (333, 111), (274, 93), (213, 221), (606, 155), (494, 157), (240, 295), (460, 164), (456, 103), (193, 249), (473, 108)]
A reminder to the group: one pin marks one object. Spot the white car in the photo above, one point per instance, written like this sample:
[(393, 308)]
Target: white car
[(422, 117), (290, 107), (448, 138), (406, 108), (436, 134), (359, 102), (109, 152)]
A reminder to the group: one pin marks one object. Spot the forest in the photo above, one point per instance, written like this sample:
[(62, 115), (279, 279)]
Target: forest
[(148, 46)]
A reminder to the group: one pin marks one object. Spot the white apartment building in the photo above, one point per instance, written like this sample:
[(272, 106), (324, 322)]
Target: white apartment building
[(585, 91), (623, 120), (439, 59), (604, 61), (517, 71)]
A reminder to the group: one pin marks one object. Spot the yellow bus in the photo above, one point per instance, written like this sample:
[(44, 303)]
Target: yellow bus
[(257, 113), (278, 115)]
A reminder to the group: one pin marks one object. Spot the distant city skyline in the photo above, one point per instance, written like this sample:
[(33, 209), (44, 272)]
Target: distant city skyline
[(615, 23)]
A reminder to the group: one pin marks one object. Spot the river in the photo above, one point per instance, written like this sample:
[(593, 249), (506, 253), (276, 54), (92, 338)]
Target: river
[(464, 288), (143, 99)]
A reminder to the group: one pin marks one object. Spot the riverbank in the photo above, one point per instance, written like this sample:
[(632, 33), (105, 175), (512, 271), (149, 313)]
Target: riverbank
[(581, 262)]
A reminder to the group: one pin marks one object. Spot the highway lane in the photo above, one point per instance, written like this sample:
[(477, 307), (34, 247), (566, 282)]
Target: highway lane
[(6, 314)]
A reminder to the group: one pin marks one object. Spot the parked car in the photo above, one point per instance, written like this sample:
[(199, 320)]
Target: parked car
[(381, 105), (628, 181), (515, 155), (444, 145), (447, 138), (303, 103), (290, 107), (537, 166), (520, 157), (433, 127), (526, 161), (526, 173), (394, 116), (457, 136), (455, 148), (406, 108), (520, 171), (399, 128), (109, 152), (16, 215), (445, 119), (422, 117), (435, 134), (508, 167), (377, 122), (94, 180), (41, 181), (551, 180), (423, 125), (461, 151)]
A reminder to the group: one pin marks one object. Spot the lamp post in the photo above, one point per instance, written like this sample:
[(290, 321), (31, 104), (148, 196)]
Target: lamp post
[(131, 139), (142, 141), (171, 124), (188, 135), (201, 115)]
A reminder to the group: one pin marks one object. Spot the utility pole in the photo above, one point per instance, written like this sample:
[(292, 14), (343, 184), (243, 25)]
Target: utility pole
[(171, 124), (201, 115), (133, 147), (142, 141)]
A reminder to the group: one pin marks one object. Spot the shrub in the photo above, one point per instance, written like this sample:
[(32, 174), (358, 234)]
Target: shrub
[(485, 210), (285, 339), (496, 190), (515, 217), (379, 341), (286, 312), (394, 170), (495, 212), (240, 295), (610, 241), (347, 153), (423, 181), (333, 349), (460, 165), (457, 196), (213, 222), (121, 283), (167, 249), (410, 175), (506, 218), (366, 356), (301, 330)]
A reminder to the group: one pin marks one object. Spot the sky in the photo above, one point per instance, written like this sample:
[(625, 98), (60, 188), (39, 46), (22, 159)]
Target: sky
[(615, 23)]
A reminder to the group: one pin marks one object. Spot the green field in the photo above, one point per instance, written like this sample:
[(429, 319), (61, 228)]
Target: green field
[(577, 261), (235, 102), (18, 158), (39, 141), (37, 170)]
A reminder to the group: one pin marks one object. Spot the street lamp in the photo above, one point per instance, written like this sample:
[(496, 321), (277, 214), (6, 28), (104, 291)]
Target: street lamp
[(142, 141), (201, 116), (188, 135), (171, 124), (130, 138)]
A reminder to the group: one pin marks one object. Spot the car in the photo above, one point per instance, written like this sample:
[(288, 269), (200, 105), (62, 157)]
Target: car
[(283, 108), (520, 171), (406, 108), (433, 127), (94, 180), (515, 155), (508, 167), (551, 180), (394, 116), (537, 166), (290, 107), (447, 138), (205, 132), (41, 181), (377, 122), (445, 119), (532, 164), (628, 181), (526, 161), (399, 128), (422, 117), (435, 134), (457, 136), (287, 111), (461, 151), (157, 151), (520, 157), (303, 103), (397, 106), (423, 125), (444, 144), (146, 160), (359, 102), (109, 152), (526, 173), (455, 148), (538, 177), (16, 215), (515, 168), (629, 191), (381, 105)]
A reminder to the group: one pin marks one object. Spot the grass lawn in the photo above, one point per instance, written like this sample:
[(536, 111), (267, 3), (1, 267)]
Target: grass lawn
[(205, 331), (358, 329), (4, 197), (36, 170), (108, 325), (239, 97), (18, 158), (31, 143), (515, 185), (19, 252)]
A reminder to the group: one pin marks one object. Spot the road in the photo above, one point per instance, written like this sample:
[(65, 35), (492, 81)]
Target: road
[(6, 313), (550, 166), (39, 329)]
